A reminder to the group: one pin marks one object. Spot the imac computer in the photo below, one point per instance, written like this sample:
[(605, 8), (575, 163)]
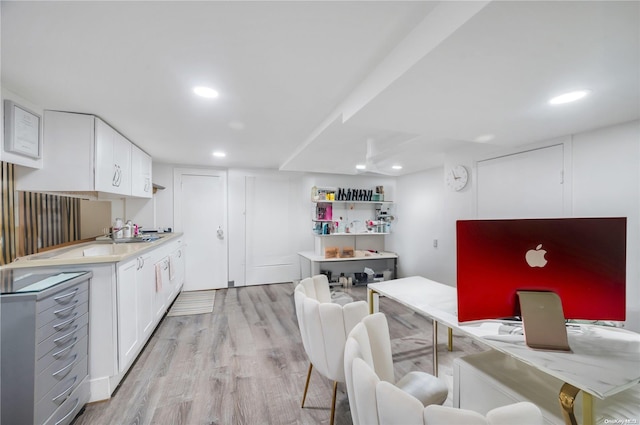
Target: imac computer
[(577, 265)]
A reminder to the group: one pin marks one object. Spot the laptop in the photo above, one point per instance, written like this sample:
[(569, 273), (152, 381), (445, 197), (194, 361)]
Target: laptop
[(543, 320)]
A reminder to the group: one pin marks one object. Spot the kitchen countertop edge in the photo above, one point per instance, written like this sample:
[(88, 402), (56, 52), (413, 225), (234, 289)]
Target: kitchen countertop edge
[(29, 261)]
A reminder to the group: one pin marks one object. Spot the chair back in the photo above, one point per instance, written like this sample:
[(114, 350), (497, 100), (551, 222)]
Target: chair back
[(324, 325), (368, 341)]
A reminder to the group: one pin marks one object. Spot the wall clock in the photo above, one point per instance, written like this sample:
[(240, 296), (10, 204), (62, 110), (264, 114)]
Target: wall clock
[(457, 177)]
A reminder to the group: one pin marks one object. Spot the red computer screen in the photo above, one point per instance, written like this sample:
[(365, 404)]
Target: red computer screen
[(583, 260)]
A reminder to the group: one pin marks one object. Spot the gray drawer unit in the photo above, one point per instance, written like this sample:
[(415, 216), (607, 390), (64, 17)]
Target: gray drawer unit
[(44, 348)]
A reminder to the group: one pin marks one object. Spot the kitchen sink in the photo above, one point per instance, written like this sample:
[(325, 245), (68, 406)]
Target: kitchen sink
[(137, 239)]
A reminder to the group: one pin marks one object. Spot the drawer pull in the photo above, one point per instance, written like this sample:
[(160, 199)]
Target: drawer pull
[(64, 393), (65, 296), (62, 310), (67, 415), (66, 322), (63, 337), (75, 341), (75, 358)]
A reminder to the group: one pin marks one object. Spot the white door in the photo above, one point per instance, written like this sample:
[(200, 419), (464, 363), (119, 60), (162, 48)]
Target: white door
[(522, 185), (199, 209)]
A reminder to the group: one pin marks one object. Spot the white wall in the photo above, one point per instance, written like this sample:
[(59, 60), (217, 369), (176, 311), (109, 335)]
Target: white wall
[(604, 180), (302, 239)]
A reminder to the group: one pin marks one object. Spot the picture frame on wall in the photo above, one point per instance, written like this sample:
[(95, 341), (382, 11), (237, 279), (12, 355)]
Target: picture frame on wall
[(22, 130)]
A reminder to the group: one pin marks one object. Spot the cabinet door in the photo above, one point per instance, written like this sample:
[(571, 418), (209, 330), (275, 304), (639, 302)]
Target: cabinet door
[(68, 154), (140, 173), (145, 283), (122, 164), (177, 262), (105, 172), (162, 287), (113, 160), (127, 295)]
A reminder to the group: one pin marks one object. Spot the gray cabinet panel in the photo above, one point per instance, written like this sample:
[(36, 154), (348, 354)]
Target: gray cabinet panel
[(44, 353)]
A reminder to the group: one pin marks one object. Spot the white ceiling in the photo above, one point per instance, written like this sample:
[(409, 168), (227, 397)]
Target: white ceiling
[(314, 85)]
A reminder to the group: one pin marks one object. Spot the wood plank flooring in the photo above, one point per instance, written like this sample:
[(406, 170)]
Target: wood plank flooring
[(245, 364)]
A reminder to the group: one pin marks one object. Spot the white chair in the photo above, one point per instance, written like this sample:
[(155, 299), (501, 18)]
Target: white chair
[(522, 413), (368, 364), (324, 327), (381, 403)]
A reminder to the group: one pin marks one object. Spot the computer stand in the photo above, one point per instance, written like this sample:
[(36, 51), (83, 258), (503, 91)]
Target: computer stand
[(543, 320)]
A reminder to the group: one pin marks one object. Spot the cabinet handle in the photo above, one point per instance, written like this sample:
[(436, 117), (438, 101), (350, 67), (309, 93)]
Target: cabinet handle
[(141, 262), (75, 341), (165, 264), (65, 323), (63, 337), (75, 358), (75, 303), (68, 414), (147, 184), (180, 253), (75, 379), (117, 176), (70, 294)]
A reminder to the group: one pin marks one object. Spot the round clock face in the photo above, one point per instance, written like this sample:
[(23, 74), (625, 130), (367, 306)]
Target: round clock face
[(457, 177)]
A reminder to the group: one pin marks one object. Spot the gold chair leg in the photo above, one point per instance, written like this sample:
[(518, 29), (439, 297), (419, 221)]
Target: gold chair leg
[(306, 385), (333, 402)]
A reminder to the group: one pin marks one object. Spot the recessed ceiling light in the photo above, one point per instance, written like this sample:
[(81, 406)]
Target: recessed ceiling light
[(207, 92), (219, 154), (361, 167), (485, 138), (397, 167), (568, 97)]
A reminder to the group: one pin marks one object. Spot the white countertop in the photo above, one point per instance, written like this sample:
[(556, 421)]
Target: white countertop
[(310, 255), (603, 360), (90, 252)]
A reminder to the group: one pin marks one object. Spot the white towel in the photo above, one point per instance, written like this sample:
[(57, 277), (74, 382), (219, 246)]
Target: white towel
[(159, 277)]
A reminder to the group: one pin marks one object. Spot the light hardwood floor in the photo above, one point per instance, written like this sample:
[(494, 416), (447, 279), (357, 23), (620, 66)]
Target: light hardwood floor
[(245, 364)]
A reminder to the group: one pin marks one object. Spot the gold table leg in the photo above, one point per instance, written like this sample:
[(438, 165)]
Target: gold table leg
[(450, 342), (567, 400), (370, 295), (435, 347)]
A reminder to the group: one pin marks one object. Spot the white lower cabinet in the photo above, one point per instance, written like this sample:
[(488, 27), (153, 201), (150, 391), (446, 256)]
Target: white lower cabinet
[(162, 288), (176, 264), (135, 307), (127, 298), (145, 287)]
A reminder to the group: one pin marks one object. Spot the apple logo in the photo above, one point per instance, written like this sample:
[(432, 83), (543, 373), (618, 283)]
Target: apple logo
[(535, 257)]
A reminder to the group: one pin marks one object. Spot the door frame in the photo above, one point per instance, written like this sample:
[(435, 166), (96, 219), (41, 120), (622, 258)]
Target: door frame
[(177, 212)]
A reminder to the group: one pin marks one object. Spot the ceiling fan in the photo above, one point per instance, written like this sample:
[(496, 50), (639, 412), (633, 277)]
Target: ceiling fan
[(369, 165)]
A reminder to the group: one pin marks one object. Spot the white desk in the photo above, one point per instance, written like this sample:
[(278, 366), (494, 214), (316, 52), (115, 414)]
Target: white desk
[(604, 361), (316, 261)]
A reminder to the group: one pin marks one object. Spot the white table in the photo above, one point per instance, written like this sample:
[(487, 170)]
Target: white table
[(316, 261), (604, 361)]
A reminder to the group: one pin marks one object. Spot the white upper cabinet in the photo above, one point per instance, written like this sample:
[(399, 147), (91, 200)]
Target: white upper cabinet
[(113, 160), (141, 184), (85, 155)]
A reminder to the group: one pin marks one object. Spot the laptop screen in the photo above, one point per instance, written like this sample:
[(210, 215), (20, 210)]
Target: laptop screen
[(583, 260)]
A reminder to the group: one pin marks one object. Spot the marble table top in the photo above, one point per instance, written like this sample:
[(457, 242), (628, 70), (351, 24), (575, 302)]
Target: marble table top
[(603, 360)]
